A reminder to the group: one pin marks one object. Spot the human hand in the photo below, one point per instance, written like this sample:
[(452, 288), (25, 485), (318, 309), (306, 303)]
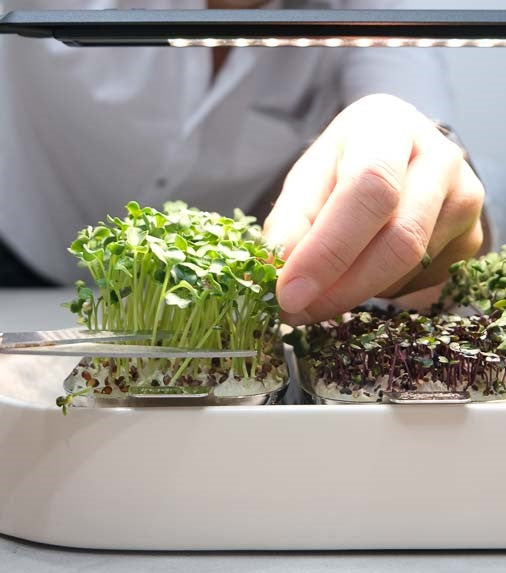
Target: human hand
[(378, 196)]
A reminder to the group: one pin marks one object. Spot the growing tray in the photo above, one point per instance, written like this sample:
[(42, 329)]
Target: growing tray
[(167, 397), (309, 394), (378, 476), (174, 400)]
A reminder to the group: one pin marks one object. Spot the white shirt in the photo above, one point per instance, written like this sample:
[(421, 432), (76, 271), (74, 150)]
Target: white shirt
[(85, 130)]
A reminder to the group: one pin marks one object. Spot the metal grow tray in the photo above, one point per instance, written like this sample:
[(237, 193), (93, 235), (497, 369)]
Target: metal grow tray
[(200, 399), (309, 395), (178, 400)]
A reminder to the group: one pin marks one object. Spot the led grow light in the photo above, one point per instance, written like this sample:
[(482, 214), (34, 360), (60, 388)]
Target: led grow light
[(348, 42), (267, 28)]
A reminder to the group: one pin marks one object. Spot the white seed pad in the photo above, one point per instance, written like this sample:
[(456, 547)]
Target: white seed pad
[(332, 391), (149, 375)]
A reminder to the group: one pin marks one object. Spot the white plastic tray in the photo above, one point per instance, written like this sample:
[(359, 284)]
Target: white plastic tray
[(274, 477)]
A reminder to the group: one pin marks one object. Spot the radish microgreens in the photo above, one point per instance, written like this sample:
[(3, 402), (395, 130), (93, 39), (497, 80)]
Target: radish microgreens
[(479, 283), (207, 280)]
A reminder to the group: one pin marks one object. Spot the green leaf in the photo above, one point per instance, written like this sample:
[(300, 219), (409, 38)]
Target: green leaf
[(365, 317), (175, 255), (173, 299), (134, 209), (180, 243), (101, 233), (121, 266), (77, 247), (499, 323), (159, 251), (215, 230), (116, 248), (135, 237), (85, 293)]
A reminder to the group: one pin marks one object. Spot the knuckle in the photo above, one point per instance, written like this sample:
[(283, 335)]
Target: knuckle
[(469, 204), (379, 188), (406, 241), (473, 241), (332, 254), (453, 153), (477, 195)]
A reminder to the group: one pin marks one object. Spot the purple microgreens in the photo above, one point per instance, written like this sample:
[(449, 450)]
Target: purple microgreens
[(369, 353)]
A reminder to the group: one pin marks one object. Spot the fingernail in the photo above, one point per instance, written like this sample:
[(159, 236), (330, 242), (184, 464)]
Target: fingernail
[(296, 295), (298, 319)]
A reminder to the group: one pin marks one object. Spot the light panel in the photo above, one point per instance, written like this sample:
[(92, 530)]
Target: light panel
[(348, 42), (265, 28)]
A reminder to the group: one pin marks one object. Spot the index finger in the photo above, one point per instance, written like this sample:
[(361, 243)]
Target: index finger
[(306, 189), (370, 179)]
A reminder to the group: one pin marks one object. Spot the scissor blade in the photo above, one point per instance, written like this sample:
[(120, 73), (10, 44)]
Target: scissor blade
[(105, 350), (73, 336)]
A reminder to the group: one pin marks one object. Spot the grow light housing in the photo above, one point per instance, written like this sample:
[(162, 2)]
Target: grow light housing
[(268, 28)]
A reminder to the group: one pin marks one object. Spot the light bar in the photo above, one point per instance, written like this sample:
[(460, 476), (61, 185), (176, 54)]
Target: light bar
[(267, 28), (349, 42)]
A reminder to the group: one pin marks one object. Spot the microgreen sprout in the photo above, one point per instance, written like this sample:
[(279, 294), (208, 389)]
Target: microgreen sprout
[(205, 279), (363, 354), (479, 283), (64, 402), (368, 353)]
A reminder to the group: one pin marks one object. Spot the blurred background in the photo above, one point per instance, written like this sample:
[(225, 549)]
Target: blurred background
[(479, 82), (479, 79)]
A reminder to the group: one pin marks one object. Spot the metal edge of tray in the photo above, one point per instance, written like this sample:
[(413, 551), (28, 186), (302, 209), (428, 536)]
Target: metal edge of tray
[(308, 392), (185, 400)]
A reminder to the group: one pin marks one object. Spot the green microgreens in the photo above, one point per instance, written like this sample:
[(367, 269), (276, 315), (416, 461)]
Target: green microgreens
[(479, 283), (64, 402), (207, 280)]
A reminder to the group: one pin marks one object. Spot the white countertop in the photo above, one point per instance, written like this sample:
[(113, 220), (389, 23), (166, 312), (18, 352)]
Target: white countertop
[(26, 310), (21, 557)]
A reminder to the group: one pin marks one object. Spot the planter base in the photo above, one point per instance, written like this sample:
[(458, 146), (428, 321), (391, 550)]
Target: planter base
[(275, 477)]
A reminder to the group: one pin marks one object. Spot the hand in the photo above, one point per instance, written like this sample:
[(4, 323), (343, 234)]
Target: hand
[(380, 195)]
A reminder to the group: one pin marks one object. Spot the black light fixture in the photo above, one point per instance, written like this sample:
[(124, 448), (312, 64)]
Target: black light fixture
[(270, 28)]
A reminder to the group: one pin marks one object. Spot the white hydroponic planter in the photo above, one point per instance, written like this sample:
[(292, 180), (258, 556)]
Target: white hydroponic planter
[(266, 477)]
